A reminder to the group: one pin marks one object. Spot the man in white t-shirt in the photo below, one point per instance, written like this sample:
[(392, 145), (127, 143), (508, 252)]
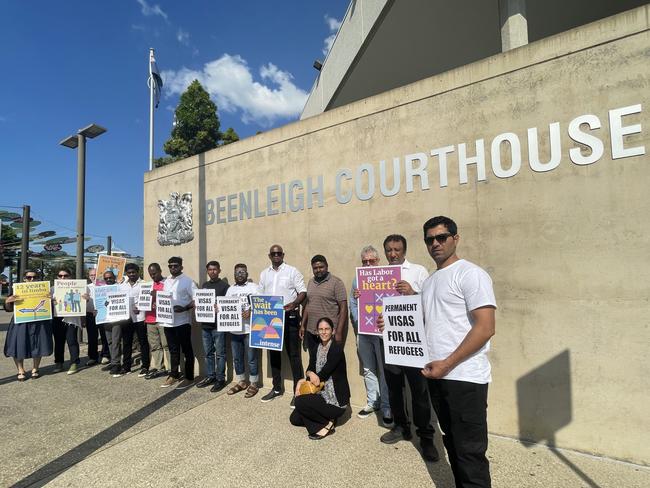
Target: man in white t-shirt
[(459, 319), (239, 340), (413, 276)]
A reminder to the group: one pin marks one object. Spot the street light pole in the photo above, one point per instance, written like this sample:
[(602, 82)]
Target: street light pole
[(24, 245), (79, 141), (81, 202)]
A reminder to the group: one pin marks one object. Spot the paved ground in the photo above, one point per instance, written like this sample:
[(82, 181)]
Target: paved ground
[(90, 429)]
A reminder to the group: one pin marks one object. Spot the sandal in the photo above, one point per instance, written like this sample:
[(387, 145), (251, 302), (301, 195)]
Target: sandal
[(35, 374), (241, 386), (252, 391), (21, 377)]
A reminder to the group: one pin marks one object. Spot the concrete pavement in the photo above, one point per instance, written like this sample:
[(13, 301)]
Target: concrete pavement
[(90, 429)]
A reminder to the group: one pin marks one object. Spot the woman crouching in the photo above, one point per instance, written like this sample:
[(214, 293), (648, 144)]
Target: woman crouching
[(324, 396)]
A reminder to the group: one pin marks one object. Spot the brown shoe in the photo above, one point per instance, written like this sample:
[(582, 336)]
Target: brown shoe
[(252, 391), (169, 382), (241, 386)]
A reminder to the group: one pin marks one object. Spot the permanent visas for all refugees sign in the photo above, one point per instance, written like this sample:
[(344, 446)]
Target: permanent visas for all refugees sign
[(404, 341), (164, 308), (267, 322), (504, 154), (374, 284), (33, 303), (229, 317), (204, 306), (145, 297), (69, 298), (118, 307), (101, 298)]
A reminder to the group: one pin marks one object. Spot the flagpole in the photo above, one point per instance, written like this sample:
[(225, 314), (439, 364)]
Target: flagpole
[(151, 90)]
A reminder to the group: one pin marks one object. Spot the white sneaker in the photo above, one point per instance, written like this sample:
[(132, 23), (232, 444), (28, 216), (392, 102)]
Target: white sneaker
[(366, 411)]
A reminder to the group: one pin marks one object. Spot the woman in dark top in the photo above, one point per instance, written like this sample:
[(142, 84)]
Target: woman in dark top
[(27, 340), (319, 411)]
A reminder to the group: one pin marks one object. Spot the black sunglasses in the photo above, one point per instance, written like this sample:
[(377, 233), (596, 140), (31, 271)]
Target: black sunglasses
[(441, 238), (63, 276)]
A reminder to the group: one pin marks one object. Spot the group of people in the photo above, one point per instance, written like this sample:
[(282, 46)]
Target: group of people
[(459, 320)]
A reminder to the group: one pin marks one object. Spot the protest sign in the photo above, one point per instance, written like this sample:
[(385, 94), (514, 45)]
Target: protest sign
[(34, 302), (164, 308), (204, 305), (118, 307), (267, 322), (69, 300), (374, 283), (101, 297), (145, 297), (109, 263), (404, 341), (229, 318)]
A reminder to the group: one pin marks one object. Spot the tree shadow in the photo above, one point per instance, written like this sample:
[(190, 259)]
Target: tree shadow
[(54, 468), (545, 406)]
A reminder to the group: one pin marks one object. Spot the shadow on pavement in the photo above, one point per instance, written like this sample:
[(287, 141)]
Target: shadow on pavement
[(55, 467)]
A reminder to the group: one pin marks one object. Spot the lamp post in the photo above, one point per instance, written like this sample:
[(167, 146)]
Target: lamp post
[(78, 141)]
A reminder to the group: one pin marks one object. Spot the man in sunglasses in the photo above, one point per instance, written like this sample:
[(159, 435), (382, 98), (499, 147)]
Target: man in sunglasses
[(179, 334), (413, 276), (459, 320), (65, 331), (282, 279)]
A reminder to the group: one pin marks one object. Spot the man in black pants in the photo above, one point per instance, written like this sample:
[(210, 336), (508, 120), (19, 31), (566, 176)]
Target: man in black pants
[(179, 334), (413, 275), (459, 319), (282, 279), (132, 286)]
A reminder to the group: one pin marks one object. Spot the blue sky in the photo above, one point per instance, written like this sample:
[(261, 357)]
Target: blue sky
[(68, 64)]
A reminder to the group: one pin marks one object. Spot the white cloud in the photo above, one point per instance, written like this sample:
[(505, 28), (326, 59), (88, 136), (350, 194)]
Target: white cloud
[(230, 83), (183, 37), (333, 26), (148, 10)]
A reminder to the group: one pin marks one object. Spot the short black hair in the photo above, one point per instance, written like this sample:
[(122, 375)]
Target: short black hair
[(176, 260), (319, 258), (108, 271), (395, 238), (130, 266), (440, 220), (155, 266), (213, 263), (241, 265), (31, 271)]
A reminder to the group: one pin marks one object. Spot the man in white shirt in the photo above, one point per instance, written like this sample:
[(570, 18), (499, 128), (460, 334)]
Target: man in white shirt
[(459, 319), (239, 340), (280, 279), (132, 288), (413, 276), (179, 334)]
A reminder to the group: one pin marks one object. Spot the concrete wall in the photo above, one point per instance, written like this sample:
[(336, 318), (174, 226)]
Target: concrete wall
[(567, 248)]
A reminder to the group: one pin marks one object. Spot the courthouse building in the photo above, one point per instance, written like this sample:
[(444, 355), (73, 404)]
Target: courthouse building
[(526, 122)]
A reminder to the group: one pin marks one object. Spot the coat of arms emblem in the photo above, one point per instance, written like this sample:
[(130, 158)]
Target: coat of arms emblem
[(175, 220)]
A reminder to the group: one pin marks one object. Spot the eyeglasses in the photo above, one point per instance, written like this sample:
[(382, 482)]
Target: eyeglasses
[(441, 238), (30, 277), (368, 262), (276, 253), (63, 276)]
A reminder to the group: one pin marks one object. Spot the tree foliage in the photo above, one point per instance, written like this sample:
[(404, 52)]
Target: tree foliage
[(197, 127)]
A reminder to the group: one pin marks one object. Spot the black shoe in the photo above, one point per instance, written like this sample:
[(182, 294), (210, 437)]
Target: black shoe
[(272, 395), (151, 374), (292, 405), (121, 372), (108, 367), (318, 437), (218, 386), (429, 451), (396, 434), (113, 370), (206, 382), (143, 373)]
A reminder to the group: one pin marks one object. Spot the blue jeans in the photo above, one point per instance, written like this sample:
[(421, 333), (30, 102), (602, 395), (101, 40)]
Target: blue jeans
[(371, 352), (214, 343), (239, 342)]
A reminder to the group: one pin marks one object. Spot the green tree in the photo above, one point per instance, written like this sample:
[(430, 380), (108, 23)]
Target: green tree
[(197, 127)]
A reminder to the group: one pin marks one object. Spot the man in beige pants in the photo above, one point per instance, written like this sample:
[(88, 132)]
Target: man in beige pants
[(155, 332)]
